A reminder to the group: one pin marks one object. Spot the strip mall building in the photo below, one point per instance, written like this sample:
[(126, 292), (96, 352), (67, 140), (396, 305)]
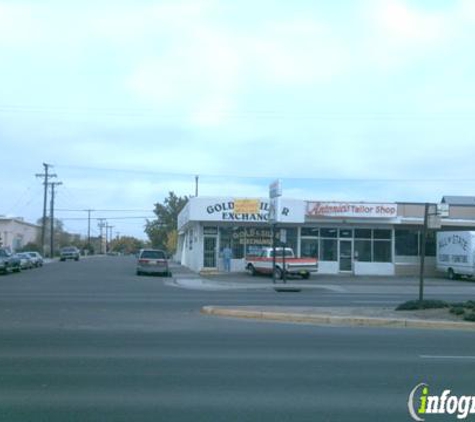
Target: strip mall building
[(347, 237)]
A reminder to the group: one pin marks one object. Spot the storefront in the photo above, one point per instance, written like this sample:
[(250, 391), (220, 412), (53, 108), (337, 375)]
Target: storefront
[(353, 238)]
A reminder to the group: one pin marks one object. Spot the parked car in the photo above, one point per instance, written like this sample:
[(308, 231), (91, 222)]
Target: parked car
[(69, 252), (152, 261), (4, 260), (9, 262), (36, 258), (25, 261)]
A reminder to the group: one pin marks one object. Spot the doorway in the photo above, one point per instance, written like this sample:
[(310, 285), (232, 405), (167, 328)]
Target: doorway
[(210, 252), (346, 256)]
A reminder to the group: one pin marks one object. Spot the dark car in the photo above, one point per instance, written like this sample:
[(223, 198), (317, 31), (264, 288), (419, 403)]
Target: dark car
[(8, 262), (152, 261), (4, 261), (69, 252)]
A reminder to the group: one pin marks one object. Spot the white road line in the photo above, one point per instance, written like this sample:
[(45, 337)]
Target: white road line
[(447, 357)]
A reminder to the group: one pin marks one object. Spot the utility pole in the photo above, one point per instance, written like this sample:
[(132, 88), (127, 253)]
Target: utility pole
[(53, 185), (110, 237), (89, 226), (46, 175), (102, 224), (197, 178)]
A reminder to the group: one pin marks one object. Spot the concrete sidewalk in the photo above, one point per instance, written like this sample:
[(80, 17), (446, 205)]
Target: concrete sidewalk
[(346, 316)]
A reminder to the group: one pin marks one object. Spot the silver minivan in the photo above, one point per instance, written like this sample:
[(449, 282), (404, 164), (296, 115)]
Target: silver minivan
[(152, 261)]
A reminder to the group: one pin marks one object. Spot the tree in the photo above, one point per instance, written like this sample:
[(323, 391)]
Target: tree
[(161, 231), (126, 245)]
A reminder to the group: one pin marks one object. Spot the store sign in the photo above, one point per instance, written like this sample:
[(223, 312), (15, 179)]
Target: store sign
[(247, 206), (351, 210), (240, 210)]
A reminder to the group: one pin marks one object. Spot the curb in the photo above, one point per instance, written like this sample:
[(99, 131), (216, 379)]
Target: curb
[(325, 319)]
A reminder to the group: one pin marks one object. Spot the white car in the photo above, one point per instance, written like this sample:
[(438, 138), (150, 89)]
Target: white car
[(25, 261), (36, 258)]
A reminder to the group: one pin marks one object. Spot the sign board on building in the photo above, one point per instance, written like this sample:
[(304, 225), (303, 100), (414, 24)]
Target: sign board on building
[(246, 206), (351, 210), (224, 210)]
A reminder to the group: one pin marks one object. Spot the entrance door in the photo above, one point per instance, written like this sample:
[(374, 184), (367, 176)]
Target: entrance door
[(346, 259), (209, 260)]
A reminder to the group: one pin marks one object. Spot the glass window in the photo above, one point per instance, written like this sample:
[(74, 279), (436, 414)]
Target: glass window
[(346, 233), (309, 231), (362, 233), (210, 230), (363, 250), (292, 239), (332, 233), (309, 248), (231, 236), (382, 234), (407, 242), (382, 251), (329, 250)]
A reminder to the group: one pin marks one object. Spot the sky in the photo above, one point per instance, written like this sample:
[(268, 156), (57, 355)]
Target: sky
[(345, 100)]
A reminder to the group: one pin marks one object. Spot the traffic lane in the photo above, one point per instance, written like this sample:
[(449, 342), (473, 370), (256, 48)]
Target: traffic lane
[(223, 370)]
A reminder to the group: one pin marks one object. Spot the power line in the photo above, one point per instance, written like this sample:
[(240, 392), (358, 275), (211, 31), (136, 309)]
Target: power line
[(270, 177)]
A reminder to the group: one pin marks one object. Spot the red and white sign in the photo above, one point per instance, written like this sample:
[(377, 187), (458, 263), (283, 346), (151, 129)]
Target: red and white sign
[(351, 210)]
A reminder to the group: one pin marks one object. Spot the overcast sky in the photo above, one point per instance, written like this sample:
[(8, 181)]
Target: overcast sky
[(344, 100)]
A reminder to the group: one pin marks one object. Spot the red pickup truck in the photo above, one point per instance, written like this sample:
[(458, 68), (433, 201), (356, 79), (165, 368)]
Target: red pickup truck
[(263, 263)]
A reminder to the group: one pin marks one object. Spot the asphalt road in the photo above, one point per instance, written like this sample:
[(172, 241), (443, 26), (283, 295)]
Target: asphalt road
[(91, 341)]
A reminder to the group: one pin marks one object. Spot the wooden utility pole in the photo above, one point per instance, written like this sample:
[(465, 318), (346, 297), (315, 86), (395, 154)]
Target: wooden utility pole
[(46, 175), (53, 185)]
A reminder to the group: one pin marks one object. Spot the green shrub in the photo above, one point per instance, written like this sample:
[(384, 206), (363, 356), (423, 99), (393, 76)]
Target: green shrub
[(470, 317), (414, 305), (470, 304), (457, 310)]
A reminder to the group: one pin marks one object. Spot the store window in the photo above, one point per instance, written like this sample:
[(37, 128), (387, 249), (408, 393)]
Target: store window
[(346, 233), (408, 243), (363, 250), (329, 244), (382, 251), (329, 233), (329, 250), (309, 232), (309, 248)]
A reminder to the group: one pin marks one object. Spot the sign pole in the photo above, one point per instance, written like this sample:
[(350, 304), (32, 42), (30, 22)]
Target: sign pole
[(423, 253), (273, 252)]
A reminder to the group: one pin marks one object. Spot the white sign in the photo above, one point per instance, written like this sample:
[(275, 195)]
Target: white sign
[(223, 210), (275, 189), (351, 210)]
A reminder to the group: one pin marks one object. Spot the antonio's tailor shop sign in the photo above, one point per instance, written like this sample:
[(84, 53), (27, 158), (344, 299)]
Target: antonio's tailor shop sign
[(351, 210)]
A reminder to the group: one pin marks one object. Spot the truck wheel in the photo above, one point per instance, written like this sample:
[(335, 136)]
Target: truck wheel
[(451, 274), (278, 273), (251, 270), (306, 276)]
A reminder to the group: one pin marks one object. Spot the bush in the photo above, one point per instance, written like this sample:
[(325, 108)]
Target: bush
[(470, 317), (415, 305), (457, 310)]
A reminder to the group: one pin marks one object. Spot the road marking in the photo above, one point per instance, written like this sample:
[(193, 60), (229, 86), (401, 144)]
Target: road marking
[(447, 357)]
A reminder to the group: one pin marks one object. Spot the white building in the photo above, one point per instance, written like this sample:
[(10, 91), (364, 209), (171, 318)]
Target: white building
[(347, 237), (15, 233)]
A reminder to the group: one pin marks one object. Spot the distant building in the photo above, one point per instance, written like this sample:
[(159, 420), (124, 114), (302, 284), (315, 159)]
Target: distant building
[(15, 233)]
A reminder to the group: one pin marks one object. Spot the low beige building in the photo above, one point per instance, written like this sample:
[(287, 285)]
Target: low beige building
[(15, 233)]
